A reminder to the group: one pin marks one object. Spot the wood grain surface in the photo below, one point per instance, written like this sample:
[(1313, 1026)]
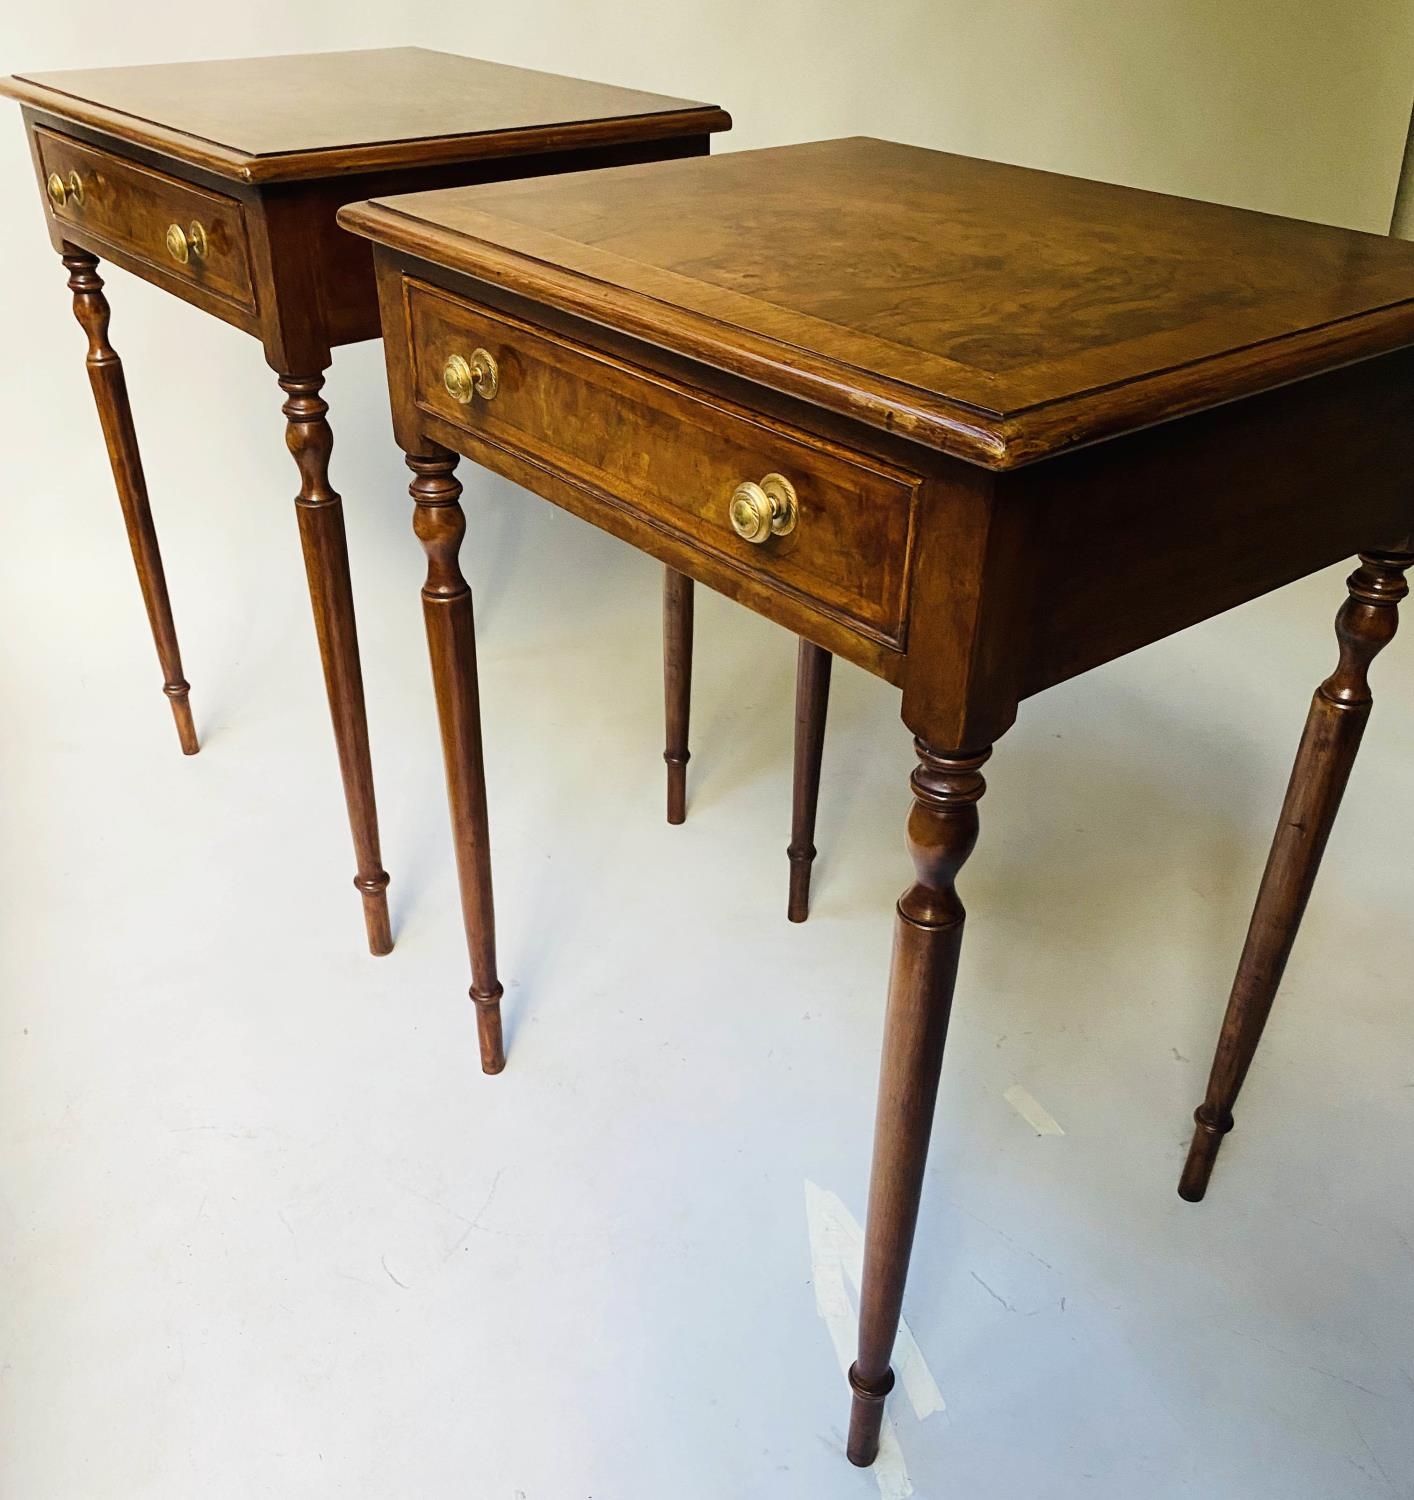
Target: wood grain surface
[(994, 312), (262, 119)]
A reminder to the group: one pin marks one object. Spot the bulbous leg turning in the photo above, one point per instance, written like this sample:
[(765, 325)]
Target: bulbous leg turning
[(110, 395), (451, 643), (326, 561), (942, 830)]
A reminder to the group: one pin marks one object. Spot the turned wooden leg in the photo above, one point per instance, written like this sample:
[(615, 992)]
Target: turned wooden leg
[(110, 393), (451, 641), (677, 686), (942, 829), (812, 699), (326, 564), (1339, 711)]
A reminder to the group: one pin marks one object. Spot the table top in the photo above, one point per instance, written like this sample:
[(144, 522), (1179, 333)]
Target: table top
[(275, 118), (994, 312)]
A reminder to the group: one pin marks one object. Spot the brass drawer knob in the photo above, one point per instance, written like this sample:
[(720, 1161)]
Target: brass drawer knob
[(60, 191), (184, 244), (477, 376), (761, 511)]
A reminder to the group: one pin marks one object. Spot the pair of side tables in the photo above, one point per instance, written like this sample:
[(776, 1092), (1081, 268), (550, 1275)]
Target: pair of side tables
[(975, 428)]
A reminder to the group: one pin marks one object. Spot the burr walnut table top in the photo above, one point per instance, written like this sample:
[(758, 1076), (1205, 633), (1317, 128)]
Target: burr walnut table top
[(994, 312), (267, 119)]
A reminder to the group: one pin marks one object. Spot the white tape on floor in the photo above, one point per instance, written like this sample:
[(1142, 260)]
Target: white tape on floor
[(1037, 1116), (837, 1258)]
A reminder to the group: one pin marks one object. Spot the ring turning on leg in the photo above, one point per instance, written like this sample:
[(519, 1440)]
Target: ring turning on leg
[(326, 561), (1339, 712), (942, 829), (110, 395), (451, 643)]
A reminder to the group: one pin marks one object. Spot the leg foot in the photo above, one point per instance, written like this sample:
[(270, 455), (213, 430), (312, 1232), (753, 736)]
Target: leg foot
[(376, 922), (326, 561), (1202, 1153), (488, 1028), (942, 829), (1334, 727), (451, 643), (181, 714), (812, 701), (677, 686), (110, 395), (866, 1417)]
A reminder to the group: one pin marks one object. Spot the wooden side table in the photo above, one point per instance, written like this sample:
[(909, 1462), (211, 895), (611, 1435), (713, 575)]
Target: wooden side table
[(219, 181), (975, 428)]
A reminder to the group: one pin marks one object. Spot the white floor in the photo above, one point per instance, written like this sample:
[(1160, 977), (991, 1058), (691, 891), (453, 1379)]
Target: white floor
[(265, 1230)]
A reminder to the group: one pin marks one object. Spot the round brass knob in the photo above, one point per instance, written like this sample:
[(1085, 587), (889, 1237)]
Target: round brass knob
[(477, 376), (76, 188), (183, 244), (761, 511), (57, 189)]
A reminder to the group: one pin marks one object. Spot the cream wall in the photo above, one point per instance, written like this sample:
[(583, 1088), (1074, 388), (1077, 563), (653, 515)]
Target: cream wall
[(1293, 106), (1297, 107)]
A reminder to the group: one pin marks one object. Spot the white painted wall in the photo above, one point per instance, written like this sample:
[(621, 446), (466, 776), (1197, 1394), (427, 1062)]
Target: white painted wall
[(1294, 106), (266, 1231)]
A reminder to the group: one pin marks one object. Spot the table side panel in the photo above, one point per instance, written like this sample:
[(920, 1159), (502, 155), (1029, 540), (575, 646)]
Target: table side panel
[(280, 267), (1147, 534)]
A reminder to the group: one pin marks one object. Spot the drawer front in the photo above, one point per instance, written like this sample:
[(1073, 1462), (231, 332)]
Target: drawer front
[(136, 209), (676, 459)]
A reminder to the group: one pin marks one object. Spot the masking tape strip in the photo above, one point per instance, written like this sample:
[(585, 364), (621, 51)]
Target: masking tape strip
[(836, 1260), (1037, 1116)]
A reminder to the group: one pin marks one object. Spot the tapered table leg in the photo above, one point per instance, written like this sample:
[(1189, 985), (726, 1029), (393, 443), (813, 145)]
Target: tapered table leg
[(451, 642), (110, 393), (812, 700), (677, 686), (942, 829), (1334, 727), (326, 562)]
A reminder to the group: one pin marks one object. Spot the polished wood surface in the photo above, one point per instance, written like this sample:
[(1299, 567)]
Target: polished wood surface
[(132, 208), (1334, 728), (812, 701), (581, 414), (812, 693), (995, 312), (110, 395), (440, 525), (219, 182), (320, 510), (1115, 414), (321, 114), (941, 833), (677, 687)]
